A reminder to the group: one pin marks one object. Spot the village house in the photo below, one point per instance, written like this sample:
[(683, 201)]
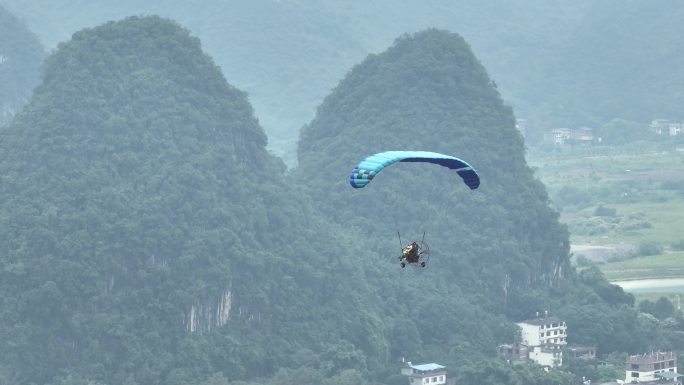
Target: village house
[(543, 331), (512, 352), (665, 126), (653, 367), (542, 341), (582, 352), (659, 126), (676, 129), (424, 374), (561, 136)]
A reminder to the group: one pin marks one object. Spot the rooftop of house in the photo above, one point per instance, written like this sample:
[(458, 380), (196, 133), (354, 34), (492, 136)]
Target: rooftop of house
[(427, 367), (581, 348), (541, 321), (651, 356)]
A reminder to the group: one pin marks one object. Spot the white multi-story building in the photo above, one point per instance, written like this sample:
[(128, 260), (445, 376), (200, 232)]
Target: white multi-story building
[(664, 126), (543, 331), (651, 366), (676, 129), (546, 356), (545, 339), (425, 374), (576, 135), (659, 125)]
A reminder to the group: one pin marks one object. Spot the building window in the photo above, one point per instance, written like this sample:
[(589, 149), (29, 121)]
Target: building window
[(635, 366), (635, 374), (434, 379)]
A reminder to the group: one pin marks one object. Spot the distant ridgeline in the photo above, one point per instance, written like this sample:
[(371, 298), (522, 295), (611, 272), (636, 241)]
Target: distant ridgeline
[(556, 62), (20, 57), (590, 80)]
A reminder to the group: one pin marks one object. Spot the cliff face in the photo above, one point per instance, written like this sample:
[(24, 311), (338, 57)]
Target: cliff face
[(428, 92)]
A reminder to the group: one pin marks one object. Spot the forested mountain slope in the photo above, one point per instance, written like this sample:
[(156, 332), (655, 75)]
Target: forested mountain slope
[(498, 250), (147, 235), (20, 57), (428, 92)]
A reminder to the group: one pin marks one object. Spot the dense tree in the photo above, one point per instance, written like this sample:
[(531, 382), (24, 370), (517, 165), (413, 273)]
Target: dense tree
[(661, 308), (499, 372), (149, 237), (620, 131)]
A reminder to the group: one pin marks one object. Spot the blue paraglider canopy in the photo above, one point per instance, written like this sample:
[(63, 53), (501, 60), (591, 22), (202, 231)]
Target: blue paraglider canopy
[(371, 166)]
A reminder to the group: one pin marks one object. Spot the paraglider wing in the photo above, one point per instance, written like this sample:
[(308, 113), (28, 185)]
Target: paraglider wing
[(371, 166)]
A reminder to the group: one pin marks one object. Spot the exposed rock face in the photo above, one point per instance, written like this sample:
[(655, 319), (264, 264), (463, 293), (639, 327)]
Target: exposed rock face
[(203, 316)]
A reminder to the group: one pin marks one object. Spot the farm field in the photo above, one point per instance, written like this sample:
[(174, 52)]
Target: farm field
[(665, 265), (624, 207)]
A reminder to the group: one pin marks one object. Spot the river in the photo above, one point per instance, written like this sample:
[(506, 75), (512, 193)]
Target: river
[(655, 285)]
